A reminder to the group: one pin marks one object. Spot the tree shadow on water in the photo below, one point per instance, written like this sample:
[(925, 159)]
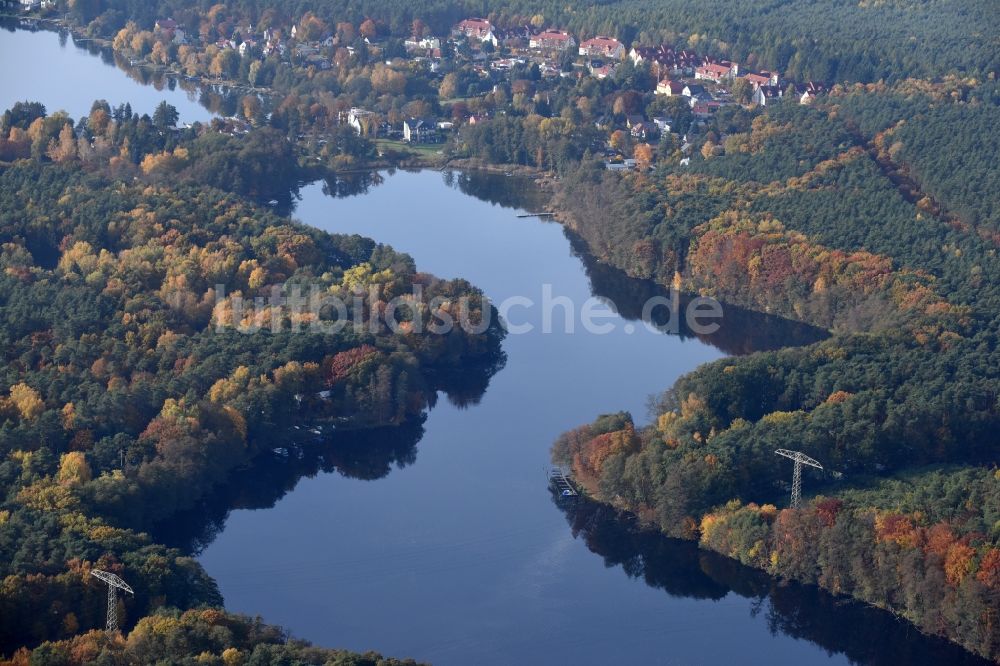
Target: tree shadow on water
[(838, 625)]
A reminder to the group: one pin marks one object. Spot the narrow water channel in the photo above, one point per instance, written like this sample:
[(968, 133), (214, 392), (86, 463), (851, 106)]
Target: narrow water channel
[(460, 553)]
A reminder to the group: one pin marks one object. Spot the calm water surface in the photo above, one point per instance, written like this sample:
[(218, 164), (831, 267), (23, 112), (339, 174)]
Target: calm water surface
[(462, 555), (441, 540), (48, 67)]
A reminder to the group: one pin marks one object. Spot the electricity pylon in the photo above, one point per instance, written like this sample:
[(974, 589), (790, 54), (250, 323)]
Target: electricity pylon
[(114, 582), (800, 459)]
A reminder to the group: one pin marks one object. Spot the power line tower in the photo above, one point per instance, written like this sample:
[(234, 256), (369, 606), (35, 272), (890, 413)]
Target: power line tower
[(114, 583), (800, 460)]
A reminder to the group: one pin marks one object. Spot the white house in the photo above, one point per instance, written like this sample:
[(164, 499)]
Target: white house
[(360, 119), (663, 124), (601, 70), (423, 43), (418, 130), (764, 93), (809, 94), (693, 90), (246, 46)]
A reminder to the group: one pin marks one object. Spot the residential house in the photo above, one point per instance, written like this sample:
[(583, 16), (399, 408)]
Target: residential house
[(169, 29), (703, 108), (248, 46), (419, 130), (318, 61), (549, 69), (602, 47), (167, 25), (669, 88), (641, 54), (643, 130), (552, 40), (476, 29), (422, 44), (361, 120), (663, 124), (764, 78), (664, 60), (622, 165), (693, 90), (514, 38), (506, 64), (604, 123), (809, 94), (600, 69), (716, 72), (764, 93)]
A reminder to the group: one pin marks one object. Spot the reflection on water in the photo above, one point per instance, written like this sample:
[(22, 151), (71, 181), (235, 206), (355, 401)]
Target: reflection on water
[(501, 190), (740, 331), (681, 569), (342, 185), (71, 69), (464, 558), (359, 454), (364, 454)]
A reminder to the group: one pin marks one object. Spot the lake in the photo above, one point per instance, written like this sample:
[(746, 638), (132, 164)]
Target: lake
[(444, 543), (53, 69), (441, 540)]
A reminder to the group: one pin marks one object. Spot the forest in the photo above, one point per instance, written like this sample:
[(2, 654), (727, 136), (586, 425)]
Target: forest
[(132, 389), (206, 636), (868, 215)]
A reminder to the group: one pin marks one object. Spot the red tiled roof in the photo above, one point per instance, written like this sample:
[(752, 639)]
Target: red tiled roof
[(555, 35), (712, 68), (606, 43), (474, 24)]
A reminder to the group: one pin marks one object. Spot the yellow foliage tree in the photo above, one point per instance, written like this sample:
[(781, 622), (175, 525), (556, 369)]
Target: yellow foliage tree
[(63, 149), (643, 155), (74, 469), (27, 401)]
